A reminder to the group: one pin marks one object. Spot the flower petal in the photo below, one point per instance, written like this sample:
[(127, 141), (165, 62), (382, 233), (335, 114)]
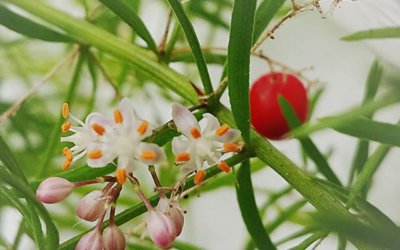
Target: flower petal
[(230, 136), (188, 167), (127, 111), (99, 155), (180, 144), (184, 120), (97, 122), (212, 123), (150, 153)]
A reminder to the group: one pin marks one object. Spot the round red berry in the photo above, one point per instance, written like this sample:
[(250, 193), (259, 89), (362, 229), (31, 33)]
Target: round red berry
[(266, 114)]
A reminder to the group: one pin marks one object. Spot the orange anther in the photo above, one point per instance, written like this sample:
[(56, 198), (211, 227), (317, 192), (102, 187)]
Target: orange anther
[(68, 155), (98, 128), (195, 132), (64, 150), (148, 155), (224, 167), (120, 174), (66, 126), (95, 154), (66, 164), (182, 157), (222, 130), (65, 110), (118, 116), (230, 147), (142, 127), (199, 176)]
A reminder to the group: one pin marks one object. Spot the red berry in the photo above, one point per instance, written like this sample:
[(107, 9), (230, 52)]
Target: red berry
[(266, 114)]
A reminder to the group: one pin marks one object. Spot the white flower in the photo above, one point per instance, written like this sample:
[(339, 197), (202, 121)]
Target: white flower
[(197, 146), (104, 140)]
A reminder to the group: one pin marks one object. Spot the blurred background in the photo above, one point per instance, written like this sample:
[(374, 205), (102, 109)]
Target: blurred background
[(309, 42)]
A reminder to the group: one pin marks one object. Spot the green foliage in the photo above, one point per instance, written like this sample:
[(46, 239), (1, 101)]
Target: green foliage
[(104, 51)]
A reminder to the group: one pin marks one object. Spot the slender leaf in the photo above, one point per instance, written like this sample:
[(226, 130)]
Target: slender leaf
[(249, 210), (193, 43), (364, 128), (373, 81), (266, 10), (310, 240), (27, 27), (240, 41), (128, 14), (381, 33), (346, 117), (306, 142), (367, 171), (9, 160)]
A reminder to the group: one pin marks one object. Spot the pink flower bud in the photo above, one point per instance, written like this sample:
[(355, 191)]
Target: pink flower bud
[(90, 241), (173, 211), (91, 206), (54, 189), (176, 215), (161, 229), (113, 238)]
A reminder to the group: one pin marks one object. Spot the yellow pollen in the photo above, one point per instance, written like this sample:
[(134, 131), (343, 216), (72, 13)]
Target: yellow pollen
[(65, 110), (230, 147), (199, 176), (98, 129), (95, 154), (195, 133), (142, 127), (182, 157), (120, 174), (64, 150), (118, 116), (224, 167), (66, 126), (222, 130), (66, 164), (148, 155)]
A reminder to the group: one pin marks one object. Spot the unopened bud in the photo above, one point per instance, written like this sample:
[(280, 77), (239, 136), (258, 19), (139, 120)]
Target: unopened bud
[(90, 241), (91, 206), (173, 211), (161, 229), (54, 189), (113, 238)]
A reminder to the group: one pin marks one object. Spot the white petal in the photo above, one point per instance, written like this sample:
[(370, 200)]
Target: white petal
[(230, 136), (144, 147), (184, 119), (180, 144), (106, 157), (188, 167), (212, 123), (100, 119), (147, 132), (127, 111)]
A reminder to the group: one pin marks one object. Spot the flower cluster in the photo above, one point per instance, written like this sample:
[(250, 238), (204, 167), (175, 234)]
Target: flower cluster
[(119, 140)]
